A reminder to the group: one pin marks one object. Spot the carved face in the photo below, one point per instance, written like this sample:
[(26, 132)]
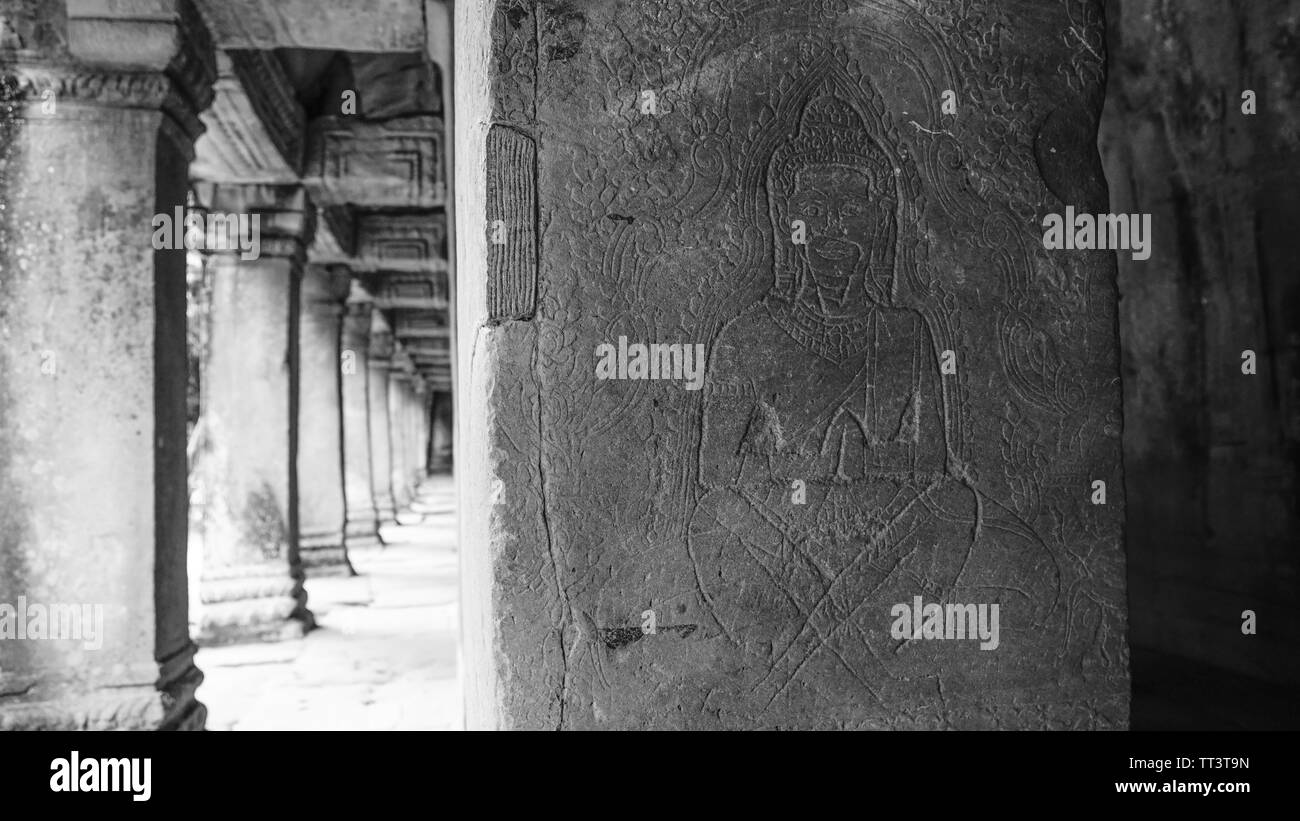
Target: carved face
[(850, 230)]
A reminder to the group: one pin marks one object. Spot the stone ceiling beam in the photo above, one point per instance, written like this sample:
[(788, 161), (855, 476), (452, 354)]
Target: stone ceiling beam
[(344, 25), (412, 303)]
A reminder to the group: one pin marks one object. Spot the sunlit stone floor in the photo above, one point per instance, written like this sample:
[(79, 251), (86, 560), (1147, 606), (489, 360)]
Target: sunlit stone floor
[(384, 654)]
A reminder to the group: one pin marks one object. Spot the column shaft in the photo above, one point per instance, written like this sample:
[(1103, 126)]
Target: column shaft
[(440, 438), (362, 528), (252, 576), (381, 465), (320, 450), (93, 606)]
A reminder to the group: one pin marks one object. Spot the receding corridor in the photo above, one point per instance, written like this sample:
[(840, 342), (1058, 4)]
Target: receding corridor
[(383, 656)]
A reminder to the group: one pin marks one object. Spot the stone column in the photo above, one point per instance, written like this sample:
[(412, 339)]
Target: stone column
[(399, 388), (320, 449), (440, 438), (95, 141), (381, 465), (419, 420), (252, 575), (889, 396), (362, 529)]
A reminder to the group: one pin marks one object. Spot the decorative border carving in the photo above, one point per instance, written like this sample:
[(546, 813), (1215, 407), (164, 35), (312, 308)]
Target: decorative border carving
[(512, 225)]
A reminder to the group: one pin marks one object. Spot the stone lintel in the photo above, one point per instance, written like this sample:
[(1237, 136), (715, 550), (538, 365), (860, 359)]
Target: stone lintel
[(346, 25)]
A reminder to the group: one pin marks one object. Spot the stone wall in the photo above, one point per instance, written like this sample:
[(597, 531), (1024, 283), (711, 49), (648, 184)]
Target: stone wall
[(1211, 453), (885, 389)]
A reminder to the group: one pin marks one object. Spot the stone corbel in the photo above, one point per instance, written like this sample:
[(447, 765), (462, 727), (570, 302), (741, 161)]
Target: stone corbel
[(403, 242), (255, 126), (399, 163)]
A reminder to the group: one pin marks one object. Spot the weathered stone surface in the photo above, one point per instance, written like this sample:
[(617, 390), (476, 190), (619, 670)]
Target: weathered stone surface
[(381, 460), (320, 415), (675, 145), (92, 365), (362, 526), (251, 577), (403, 444)]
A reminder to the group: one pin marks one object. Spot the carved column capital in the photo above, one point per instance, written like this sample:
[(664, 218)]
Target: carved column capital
[(285, 217), (115, 57)]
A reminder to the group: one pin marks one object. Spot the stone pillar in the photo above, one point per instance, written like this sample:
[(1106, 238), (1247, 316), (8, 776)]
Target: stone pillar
[(399, 389), (381, 465), (362, 529), (252, 575), (440, 438), (419, 421), (887, 397), (94, 142), (440, 38), (320, 449)]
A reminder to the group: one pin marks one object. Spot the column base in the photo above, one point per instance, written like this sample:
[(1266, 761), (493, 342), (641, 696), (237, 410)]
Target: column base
[(140, 707), (360, 540), (362, 531), (385, 513), (324, 554), (252, 603)]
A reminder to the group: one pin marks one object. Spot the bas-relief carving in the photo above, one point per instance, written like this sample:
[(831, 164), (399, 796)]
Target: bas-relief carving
[(512, 223), (824, 366)]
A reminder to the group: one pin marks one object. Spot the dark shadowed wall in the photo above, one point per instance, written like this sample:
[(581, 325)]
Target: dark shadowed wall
[(1210, 452)]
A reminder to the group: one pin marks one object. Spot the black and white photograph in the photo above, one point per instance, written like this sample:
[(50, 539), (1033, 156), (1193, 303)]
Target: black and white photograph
[(649, 365)]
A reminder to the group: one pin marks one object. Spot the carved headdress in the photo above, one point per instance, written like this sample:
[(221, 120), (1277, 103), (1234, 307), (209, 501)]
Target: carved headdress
[(831, 132)]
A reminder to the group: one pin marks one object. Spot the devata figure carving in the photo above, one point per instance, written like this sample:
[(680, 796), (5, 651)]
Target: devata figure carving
[(832, 382)]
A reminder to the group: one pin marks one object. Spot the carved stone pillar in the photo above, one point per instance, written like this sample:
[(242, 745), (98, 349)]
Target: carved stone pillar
[(98, 118), (362, 528), (400, 440), (381, 464), (889, 395), (419, 423), (440, 436), (320, 451), (252, 576)]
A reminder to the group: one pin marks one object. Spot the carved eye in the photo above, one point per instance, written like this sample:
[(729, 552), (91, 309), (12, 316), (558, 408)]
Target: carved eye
[(813, 209), (851, 209)]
